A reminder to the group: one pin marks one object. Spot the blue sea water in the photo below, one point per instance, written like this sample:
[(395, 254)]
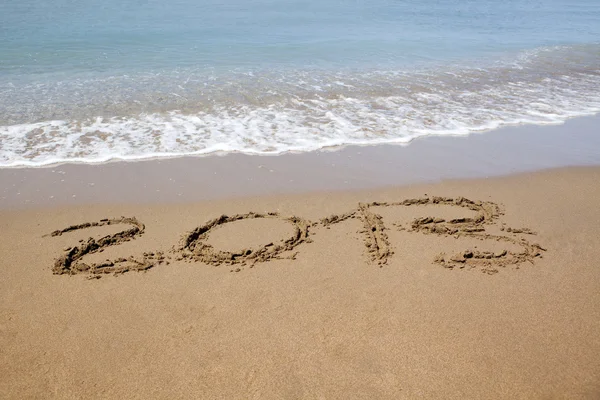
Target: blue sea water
[(90, 81)]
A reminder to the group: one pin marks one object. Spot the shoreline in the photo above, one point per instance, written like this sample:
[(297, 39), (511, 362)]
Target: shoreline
[(500, 152), (331, 148)]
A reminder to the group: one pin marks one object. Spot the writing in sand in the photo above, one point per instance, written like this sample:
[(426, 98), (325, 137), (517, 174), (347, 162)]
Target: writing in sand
[(195, 246)]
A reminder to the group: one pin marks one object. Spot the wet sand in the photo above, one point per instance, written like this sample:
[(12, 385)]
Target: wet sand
[(469, 288), (190, 179)]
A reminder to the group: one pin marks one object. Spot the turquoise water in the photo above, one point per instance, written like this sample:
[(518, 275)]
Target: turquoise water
[(91, 81)]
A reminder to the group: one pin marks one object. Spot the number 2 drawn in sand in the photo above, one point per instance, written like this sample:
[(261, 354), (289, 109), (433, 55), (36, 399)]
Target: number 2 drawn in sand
[(194, 246)]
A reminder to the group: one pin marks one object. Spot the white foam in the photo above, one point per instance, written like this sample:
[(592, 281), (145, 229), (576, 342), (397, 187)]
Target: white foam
[(373, 108)]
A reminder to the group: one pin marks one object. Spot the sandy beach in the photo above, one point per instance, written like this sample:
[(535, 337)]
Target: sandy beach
[(314, 199), (464, 288)]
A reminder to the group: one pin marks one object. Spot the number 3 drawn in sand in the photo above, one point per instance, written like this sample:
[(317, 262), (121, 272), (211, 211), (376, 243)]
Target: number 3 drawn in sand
[(194, 246)]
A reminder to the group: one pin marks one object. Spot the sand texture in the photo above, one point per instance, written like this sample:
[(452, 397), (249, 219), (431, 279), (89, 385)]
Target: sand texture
[(476, 289)]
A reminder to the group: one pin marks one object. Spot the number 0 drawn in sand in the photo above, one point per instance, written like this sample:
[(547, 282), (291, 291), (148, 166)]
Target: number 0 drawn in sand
[(195, 248)]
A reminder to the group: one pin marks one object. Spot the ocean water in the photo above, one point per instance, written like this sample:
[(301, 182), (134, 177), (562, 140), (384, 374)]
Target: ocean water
[(91, 81)]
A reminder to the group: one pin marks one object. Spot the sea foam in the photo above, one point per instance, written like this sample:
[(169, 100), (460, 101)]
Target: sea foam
[(272, 112)]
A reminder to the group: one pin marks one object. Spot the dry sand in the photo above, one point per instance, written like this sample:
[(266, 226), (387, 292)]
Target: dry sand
[(476, 289)]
